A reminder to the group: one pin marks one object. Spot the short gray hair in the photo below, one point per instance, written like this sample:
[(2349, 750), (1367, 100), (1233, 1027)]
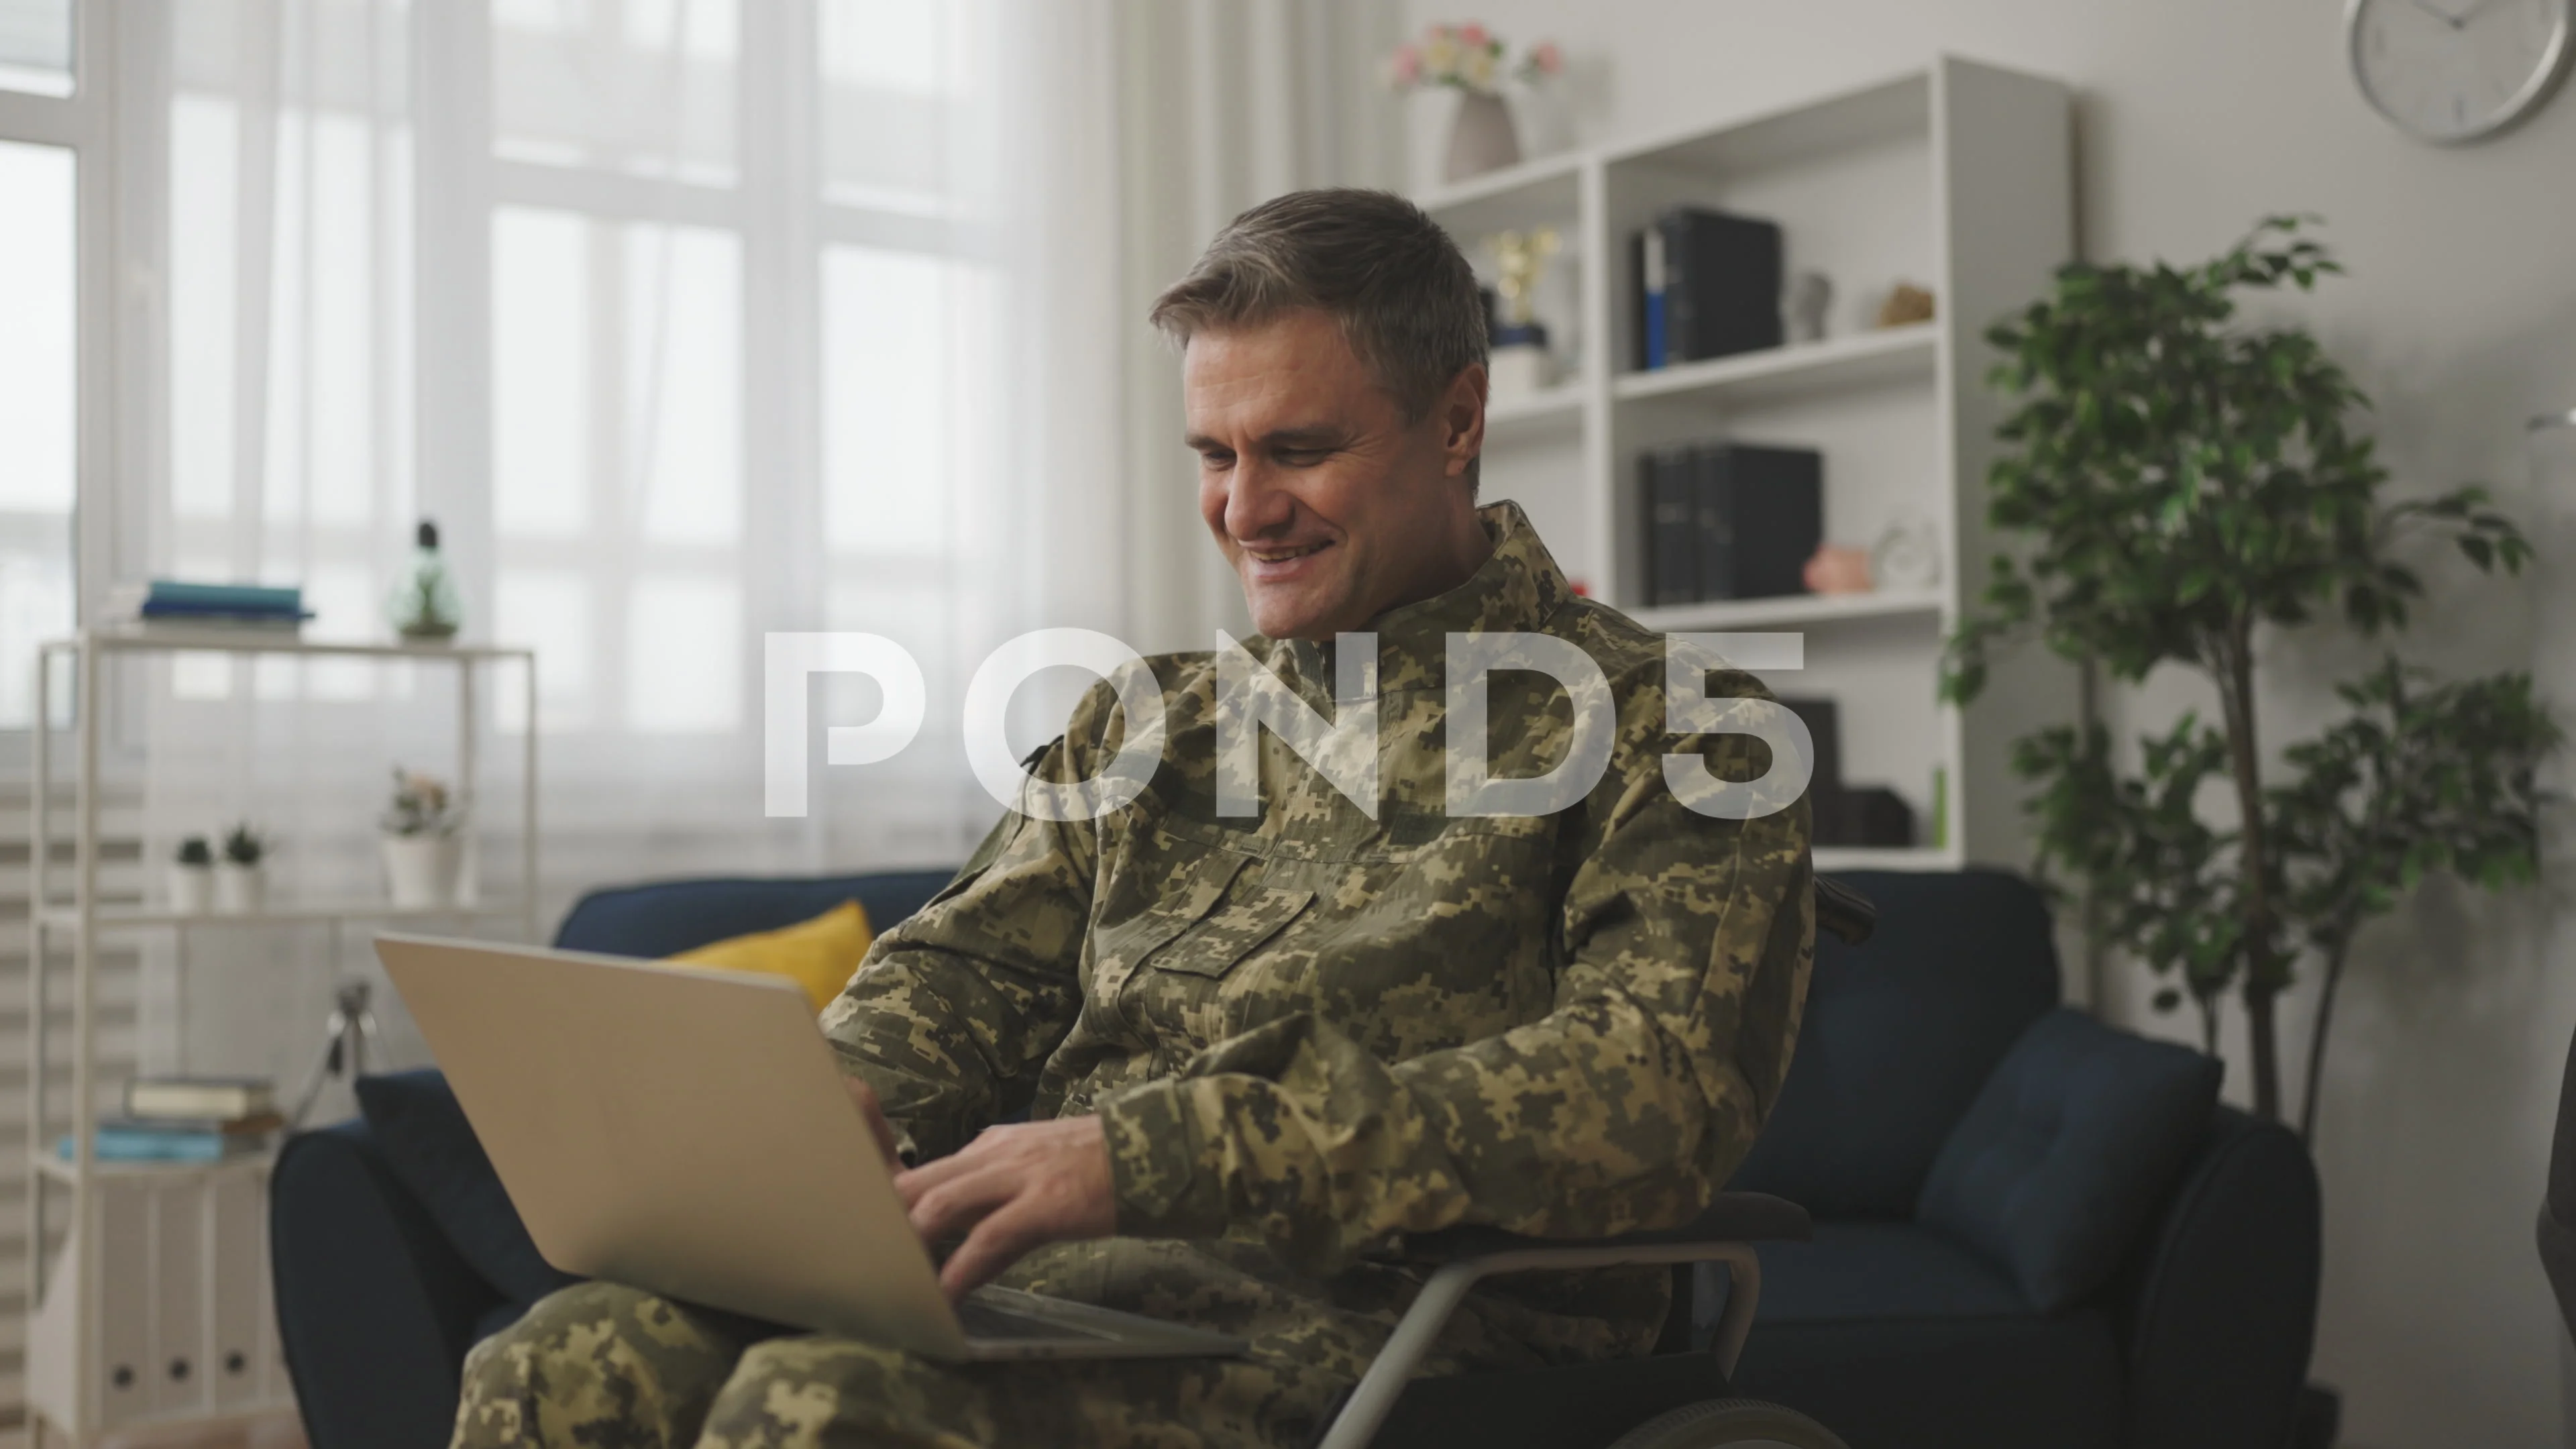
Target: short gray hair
[(1373, 261)]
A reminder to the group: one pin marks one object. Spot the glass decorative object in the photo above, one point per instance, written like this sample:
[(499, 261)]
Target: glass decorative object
[(425, 607)]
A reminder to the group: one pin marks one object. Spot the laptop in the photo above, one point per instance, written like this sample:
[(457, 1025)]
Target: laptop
[(685, 1131)]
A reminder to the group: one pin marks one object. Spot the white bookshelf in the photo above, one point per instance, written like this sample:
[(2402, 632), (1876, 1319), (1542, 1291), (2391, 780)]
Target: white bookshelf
[(1957, 176), (152, 1315)]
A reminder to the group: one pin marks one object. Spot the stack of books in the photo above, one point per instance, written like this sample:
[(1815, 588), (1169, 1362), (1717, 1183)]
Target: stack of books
[(186, 1119), (169, 603)]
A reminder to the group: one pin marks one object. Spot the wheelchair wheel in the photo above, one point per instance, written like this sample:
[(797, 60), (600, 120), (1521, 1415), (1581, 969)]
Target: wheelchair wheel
[(1730, 1424)]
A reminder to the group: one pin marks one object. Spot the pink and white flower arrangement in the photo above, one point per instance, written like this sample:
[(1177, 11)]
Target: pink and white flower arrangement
[(1469, 58)]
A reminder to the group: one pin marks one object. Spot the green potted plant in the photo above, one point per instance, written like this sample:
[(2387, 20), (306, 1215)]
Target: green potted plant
[(420, 836), (241, 878), (2188, 485), (192, 877)]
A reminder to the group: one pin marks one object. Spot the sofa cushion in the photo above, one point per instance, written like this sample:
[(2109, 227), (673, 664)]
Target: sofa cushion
[(669, 917), (421, 1132), (819, 955), (2074, 1140), (1899, 1035)]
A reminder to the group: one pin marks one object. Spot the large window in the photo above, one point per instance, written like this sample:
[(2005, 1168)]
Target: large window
[(38, 408), (45, 130), (36, 46), (643, 199)]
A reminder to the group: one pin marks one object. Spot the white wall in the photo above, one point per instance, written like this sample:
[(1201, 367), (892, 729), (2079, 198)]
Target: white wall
[(2194, 118)]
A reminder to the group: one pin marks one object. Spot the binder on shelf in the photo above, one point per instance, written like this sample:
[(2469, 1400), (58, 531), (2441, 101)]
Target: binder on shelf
[(178, 1278), (236, 1365), (1729, 521), (1762, 513), (1842, 814), (1707, 285), (1647, 261), (126, 1326), (1824, 730), (1713, 508), (1672, 537)]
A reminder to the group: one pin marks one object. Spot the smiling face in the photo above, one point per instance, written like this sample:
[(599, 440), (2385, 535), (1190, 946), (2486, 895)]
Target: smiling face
[(1332, 508)]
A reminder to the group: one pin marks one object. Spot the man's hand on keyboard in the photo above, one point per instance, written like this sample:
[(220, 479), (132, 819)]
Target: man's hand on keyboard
[(1011, 1190)]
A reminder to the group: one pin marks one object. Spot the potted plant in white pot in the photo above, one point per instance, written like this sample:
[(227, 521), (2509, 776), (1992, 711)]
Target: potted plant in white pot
[(192, 877), (422, 842), (241, 880)]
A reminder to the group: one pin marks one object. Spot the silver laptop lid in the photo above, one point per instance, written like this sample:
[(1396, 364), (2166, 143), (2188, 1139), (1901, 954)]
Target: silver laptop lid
[(677, 1129)]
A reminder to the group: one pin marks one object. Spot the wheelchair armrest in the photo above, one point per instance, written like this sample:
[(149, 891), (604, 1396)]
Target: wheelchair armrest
[(1463, 1255), (1734, 1217)]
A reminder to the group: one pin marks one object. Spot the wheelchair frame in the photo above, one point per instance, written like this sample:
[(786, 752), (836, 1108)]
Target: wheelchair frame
[(1369, 1404)]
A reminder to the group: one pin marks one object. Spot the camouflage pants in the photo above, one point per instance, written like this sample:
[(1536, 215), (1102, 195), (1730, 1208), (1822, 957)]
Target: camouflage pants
[(608, 1367)]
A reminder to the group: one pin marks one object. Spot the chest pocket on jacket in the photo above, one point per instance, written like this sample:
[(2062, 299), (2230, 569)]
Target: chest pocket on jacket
[(1217, 944), (1124, 947)]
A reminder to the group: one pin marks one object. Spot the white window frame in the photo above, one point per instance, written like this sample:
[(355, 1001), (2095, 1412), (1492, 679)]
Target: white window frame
[(83, 123), (775, 207)]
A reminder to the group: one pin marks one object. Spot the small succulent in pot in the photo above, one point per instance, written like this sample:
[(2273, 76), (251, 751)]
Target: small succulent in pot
[(192, 877), (422, 843), (241, 885), (422, 805)]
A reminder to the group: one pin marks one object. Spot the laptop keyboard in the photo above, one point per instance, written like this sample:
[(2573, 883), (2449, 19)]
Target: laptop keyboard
[(983, 1320)]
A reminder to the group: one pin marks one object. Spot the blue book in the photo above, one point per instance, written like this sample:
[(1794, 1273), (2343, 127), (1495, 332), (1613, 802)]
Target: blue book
[(172, 595), (162, 1142), (156, 609), (1654, 316)]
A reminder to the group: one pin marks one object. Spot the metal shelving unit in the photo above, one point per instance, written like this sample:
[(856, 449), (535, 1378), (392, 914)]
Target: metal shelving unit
[(71, 1385)]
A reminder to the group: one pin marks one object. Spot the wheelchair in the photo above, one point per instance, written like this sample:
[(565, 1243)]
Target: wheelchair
[(1677, 1398)]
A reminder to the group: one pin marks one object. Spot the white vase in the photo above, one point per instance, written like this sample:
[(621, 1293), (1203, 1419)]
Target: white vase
[(1481, 137), (192, 889), (1518, 372), (421, 870), (240, 890)]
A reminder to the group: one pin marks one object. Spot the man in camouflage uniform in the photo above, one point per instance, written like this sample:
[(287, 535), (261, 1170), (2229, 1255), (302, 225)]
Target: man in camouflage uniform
[(1256, 1051)]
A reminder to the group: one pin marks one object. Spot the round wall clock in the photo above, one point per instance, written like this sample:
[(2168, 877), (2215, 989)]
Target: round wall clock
[(2449, 71)]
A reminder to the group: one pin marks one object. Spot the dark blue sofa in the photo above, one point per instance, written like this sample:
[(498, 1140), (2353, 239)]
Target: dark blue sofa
[(1890, 1326)]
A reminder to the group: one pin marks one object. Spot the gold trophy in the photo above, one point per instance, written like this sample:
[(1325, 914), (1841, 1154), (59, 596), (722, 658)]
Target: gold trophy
[(1520, 365)]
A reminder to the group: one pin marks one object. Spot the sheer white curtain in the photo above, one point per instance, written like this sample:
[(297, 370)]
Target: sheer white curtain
[(1221, 104), (788, 333), (687, 320)]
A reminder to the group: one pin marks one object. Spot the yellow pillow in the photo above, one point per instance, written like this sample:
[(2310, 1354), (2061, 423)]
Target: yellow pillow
[(819, 955)]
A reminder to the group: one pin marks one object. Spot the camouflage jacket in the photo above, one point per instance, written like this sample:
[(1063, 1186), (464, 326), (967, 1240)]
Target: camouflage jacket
[(1317, 1030)]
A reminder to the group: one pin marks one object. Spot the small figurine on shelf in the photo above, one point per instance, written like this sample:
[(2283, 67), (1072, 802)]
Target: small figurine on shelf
[(1838, 570), (241, 881), (1906, 305), (421, 840), (1803, 308), (1908, 554), (425, 607), (1519, 364), (192, 877)]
